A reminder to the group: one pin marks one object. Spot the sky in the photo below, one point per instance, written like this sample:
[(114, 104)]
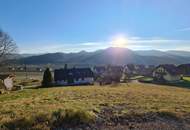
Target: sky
[(41, 26)]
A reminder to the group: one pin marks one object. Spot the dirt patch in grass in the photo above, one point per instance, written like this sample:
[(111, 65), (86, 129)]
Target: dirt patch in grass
[(108, 120), (105, 120)]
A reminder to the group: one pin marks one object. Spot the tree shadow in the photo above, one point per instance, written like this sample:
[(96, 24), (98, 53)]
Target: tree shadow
[(182, 84), (34, 87)]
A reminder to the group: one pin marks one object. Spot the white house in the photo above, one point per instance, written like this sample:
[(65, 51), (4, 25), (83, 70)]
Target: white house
[(6, 81), (166, 73), (74, 76)]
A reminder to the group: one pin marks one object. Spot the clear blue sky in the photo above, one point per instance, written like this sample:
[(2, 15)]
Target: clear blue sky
[(40, 26)]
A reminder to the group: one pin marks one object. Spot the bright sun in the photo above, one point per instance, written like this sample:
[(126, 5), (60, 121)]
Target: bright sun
[(119, 41)]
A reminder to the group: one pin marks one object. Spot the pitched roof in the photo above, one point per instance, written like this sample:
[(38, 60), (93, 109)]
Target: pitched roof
[(131, 67), (170, 68), (184, 69), (184, 65), (116, 68), (75, 72), (99, 68)]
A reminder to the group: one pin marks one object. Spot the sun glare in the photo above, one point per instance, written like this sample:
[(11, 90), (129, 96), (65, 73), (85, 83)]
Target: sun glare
[(119, 41)]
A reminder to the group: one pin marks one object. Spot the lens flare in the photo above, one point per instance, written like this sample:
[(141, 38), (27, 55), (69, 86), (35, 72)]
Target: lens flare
[(119, 41)]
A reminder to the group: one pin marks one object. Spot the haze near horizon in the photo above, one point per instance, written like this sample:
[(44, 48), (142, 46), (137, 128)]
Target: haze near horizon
[(72, 26)]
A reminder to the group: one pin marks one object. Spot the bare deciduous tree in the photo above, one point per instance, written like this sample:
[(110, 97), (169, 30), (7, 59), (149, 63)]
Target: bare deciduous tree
[(7, 45)]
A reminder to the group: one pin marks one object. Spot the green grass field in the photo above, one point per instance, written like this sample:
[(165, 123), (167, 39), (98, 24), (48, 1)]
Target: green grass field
[(114, 101), (187, 78)]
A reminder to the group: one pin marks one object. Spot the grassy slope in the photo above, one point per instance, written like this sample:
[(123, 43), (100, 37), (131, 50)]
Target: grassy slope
[(135, 98)]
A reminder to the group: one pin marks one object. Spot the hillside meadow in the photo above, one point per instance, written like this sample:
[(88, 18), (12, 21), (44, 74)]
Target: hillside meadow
[(119, 106)]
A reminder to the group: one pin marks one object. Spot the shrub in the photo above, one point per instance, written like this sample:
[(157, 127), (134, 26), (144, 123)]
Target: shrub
[(2, 127), (47, 78), (39, 122), (167, 114), (41, 118), (19, 124), (72, 117)]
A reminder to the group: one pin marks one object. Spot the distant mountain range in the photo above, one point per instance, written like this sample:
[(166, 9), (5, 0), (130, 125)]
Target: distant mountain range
[(163, 53), (113, 55)]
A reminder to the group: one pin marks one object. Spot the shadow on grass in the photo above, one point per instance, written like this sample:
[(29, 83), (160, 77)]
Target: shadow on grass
[(181, 84), (34, 87), (41, 87), (184, 83), (69, 119), (64, 119)]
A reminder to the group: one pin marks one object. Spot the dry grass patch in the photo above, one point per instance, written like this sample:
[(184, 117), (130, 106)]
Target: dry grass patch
[(136, 98)]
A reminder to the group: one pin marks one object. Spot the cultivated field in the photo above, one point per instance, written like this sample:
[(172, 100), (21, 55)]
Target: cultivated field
[(28, 79), (119, 106)]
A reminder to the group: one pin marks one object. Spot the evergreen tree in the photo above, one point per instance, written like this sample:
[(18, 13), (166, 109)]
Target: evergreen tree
[(47, 78)]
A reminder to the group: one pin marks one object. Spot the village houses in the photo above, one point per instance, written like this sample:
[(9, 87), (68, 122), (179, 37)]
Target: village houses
[(167, 73)]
